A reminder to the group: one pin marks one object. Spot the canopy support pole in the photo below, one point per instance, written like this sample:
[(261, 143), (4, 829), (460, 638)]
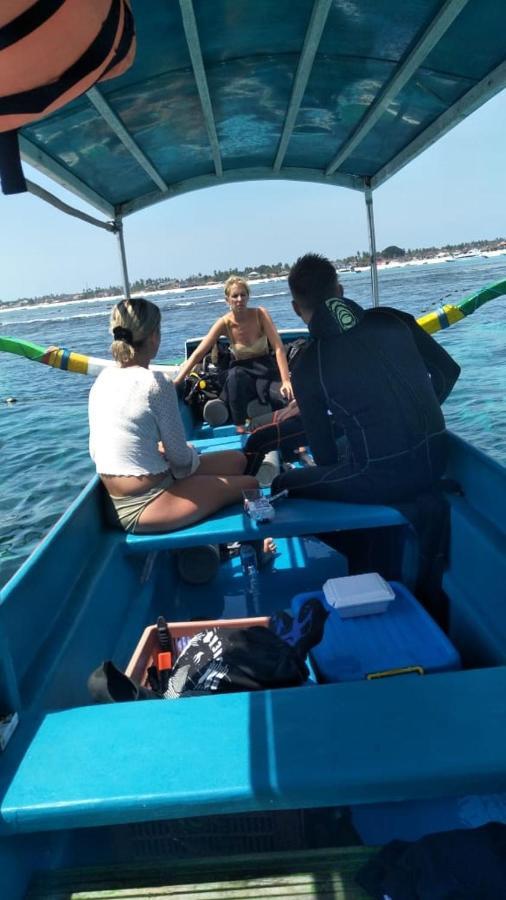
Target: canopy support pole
[(372, 242), (118, 223)]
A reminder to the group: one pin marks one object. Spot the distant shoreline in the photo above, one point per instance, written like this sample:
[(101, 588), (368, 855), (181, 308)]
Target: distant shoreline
[(382, 266), (64, 300), (422, 261)]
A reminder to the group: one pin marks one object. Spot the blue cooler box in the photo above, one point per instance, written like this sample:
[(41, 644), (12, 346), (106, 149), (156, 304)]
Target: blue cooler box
[(402, 640)]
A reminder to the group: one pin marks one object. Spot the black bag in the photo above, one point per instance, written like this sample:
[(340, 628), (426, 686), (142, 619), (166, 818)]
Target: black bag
[(216, 661), (223, 660), (207, 380), (108, 684), (199, 387), (293, 349), (227, 660)]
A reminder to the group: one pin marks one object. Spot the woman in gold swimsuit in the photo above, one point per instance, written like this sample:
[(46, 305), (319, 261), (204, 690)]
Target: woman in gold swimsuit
[(252, 335)]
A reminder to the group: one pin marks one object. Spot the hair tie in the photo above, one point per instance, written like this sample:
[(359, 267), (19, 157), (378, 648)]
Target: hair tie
[(123, 334)]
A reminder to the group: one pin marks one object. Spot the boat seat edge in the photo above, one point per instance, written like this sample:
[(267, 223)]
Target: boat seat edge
[(294, 517), (120, 763)]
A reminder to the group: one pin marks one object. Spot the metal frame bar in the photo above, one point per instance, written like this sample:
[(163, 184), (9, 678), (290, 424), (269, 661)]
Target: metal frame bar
[(193, 41), (439, 25), (114, 227), (258, 173), (306, 59), (118, 227), (50, 198), (44, 163), (372, 242), (484, 90), (115, 124)]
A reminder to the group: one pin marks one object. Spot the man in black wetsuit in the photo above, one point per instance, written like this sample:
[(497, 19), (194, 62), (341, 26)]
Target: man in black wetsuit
[(369, 386)]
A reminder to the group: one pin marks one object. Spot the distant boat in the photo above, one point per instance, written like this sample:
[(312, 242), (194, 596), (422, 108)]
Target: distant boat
[(467, 254)]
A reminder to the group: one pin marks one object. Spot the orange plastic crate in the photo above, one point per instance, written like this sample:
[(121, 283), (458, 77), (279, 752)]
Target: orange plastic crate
[(146, 652)]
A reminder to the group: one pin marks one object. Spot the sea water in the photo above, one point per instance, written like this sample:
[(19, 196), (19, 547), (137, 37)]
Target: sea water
[(44, 435)]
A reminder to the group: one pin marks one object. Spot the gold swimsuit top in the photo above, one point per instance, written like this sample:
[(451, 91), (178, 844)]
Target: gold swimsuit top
[(260, 347)]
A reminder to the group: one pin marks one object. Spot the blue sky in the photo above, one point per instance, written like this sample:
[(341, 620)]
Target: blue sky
[(453, 192)]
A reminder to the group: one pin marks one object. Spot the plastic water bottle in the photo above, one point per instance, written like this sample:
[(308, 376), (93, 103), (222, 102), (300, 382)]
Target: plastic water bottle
[(250, 570)]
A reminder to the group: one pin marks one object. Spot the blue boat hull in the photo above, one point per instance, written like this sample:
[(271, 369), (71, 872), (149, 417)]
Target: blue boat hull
[(75, 777)]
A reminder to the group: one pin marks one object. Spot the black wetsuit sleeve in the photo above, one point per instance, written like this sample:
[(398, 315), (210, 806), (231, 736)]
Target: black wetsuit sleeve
[(442, 368), (318, 424)]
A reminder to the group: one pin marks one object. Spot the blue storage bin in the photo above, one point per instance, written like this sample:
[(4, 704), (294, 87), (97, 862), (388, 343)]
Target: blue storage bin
[(403, 639)]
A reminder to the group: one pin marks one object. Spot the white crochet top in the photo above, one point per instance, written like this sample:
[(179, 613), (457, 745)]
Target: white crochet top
[(130, 410)]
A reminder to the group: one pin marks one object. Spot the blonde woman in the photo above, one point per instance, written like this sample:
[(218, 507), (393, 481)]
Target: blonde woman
[(155, 480), (252, 334)]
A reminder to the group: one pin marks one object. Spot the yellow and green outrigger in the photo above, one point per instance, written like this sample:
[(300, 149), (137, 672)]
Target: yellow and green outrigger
[(71, 361)]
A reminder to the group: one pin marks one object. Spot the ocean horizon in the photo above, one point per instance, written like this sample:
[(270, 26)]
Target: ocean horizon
[(44, 434)]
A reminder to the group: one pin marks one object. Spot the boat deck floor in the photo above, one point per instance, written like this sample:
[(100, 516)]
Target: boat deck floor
[(311, 875)]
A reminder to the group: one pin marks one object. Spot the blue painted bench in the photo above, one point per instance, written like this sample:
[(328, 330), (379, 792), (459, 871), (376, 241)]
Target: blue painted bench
[(362, 742), (293, 518), (207, 442), (224, 433)]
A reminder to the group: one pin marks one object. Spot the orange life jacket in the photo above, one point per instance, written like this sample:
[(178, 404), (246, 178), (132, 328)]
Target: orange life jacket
[(51, 51)]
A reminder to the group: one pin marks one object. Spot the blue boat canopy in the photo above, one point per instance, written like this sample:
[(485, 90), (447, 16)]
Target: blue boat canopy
[(342, 92)]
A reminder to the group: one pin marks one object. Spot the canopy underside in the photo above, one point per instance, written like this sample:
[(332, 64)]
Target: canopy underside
[(342, 92)]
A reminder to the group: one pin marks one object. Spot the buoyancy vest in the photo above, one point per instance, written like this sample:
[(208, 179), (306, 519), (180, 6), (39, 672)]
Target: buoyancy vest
[(51, 52)]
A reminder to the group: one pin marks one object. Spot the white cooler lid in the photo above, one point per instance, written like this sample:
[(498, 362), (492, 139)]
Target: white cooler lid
[(356, 590)]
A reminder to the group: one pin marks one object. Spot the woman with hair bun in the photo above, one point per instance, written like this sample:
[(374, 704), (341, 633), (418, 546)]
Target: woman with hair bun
[(155, 480)]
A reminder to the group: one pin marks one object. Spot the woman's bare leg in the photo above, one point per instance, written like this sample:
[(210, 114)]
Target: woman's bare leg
[(192, 499), (223, 462)]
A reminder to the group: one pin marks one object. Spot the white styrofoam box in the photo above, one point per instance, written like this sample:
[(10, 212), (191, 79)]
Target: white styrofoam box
[(358, 595)]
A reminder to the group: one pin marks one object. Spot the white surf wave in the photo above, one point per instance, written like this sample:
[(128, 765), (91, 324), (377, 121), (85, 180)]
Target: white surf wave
[(47, 319), (273, 294)]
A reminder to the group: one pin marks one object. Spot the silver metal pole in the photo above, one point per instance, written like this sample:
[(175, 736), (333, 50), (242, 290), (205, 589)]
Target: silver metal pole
[(119, 231), (372, 243), (41, 192)]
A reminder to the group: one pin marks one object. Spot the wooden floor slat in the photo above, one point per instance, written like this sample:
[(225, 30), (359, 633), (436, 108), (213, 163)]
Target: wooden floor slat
[(308, 875)]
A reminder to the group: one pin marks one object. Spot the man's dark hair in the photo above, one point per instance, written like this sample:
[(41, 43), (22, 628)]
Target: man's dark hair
[(312, 280)]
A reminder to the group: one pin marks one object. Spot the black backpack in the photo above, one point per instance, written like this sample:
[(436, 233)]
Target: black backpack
[(227, 660), (206, 381), (215, 661)]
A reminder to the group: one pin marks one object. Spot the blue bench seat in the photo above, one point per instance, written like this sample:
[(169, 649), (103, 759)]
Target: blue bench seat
[(223, 433), (207, 443), (293, 518), (362, 742)]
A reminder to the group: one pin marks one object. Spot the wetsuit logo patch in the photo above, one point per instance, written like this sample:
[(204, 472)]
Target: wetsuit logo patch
[(342, 314)]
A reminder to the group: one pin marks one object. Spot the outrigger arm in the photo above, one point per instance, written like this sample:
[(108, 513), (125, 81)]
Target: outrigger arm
[(372, 241)]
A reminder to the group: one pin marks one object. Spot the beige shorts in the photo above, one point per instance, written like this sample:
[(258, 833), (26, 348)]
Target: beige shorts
[(124, 512)]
